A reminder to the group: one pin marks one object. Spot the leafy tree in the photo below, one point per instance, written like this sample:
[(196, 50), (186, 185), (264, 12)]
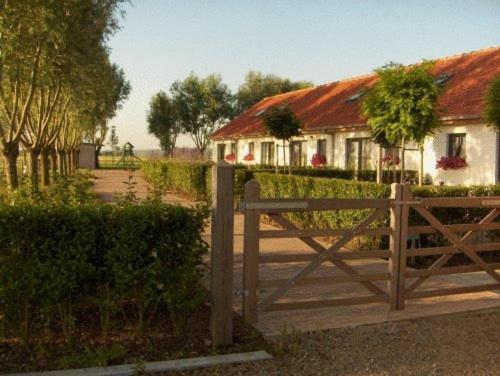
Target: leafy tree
[(258, 86), (163, 122), (201, 105), (402, 107), (113, 141), (49, 53), (492, 114), (282, 124)]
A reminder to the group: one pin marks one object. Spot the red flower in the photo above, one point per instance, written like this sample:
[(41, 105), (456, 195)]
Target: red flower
[(248, 157), (451, 163), (390, 159), (230, 157), (318, 160)]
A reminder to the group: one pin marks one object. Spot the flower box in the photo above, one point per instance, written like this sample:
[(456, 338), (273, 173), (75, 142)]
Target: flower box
[(230, 157), (248, 158), (318, 160), (451, 163)]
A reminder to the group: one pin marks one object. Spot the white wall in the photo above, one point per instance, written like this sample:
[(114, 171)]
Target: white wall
[(480, 150), (242, 146), (480, 154)]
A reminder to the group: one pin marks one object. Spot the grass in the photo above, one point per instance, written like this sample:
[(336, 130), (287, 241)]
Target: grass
[(160, 340)]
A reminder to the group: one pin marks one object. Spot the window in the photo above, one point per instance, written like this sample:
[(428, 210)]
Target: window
[(234, 150), (456, 145), (221, 152), (251, 148), (298, 154), (321, 147), (267, 153), (359, 153)]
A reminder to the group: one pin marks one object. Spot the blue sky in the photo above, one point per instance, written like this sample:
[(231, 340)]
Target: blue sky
[(321, 41)]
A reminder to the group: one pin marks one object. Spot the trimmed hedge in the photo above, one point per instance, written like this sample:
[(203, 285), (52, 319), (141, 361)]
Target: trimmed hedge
[(189, 179), (57, 260)]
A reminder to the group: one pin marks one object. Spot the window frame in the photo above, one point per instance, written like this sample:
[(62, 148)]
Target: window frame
[(452, 137), (221, 147)]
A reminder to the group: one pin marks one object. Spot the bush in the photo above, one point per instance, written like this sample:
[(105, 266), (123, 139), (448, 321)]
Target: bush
[(55, 260), (186, 178)]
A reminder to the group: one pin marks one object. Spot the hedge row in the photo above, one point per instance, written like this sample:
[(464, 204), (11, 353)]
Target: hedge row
[(57, 260)]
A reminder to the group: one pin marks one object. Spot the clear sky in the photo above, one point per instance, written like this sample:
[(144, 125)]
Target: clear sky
[(320, 41)]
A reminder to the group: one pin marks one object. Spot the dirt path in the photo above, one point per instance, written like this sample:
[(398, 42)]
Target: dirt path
[(109, 183)]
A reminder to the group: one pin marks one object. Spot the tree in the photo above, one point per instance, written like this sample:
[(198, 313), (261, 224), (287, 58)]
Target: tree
[(492, 114), (258, 86), (282, 124), (201, 105), (402, 107), (49, 51), (113, 141), (163, 122)]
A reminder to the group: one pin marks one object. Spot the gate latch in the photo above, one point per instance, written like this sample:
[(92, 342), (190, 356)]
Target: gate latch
[(241, 292)]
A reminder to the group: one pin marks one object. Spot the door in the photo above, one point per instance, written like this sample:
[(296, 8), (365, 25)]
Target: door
[(298, 155)]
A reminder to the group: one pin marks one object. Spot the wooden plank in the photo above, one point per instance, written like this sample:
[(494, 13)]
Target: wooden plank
[(275, 295), (490, 217), (330, 280), (326, 232), (483, 247), (461, 202), (452, 291), (251, 244), (316, 204), (395, 246), (415, 230), (221, 255), (305, 257), (449, 270), (314, 304), (281, 221), (405, 209), (457, 242)]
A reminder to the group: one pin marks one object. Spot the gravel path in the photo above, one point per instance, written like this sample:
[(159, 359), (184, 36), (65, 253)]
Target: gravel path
[(459, 344)]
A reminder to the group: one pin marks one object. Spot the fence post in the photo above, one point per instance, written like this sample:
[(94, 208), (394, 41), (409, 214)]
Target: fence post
[(396, 240), (251, 254), (221, 254)]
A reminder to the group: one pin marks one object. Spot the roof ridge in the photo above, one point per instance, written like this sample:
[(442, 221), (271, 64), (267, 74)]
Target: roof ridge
[(462, 54), (290, 92)]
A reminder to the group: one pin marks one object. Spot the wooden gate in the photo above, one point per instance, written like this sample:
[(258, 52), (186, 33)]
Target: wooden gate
[(402, 282)]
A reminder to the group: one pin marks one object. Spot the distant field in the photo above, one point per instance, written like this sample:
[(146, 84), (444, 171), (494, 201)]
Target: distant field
[(107, 161)]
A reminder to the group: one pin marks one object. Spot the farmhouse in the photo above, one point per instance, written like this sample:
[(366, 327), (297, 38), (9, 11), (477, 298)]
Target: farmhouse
[(333, 127)]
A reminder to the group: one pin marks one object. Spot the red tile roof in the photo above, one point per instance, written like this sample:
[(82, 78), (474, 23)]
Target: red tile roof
[(327, 107)]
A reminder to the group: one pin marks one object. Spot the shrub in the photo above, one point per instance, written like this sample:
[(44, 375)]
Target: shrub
[(56, 259), (186, 178)]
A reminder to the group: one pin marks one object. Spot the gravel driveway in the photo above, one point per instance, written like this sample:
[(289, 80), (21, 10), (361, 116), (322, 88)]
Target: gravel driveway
[(458, 344)]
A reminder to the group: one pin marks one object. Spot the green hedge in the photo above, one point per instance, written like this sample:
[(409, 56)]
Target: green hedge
[(186, 178), (58, 260)]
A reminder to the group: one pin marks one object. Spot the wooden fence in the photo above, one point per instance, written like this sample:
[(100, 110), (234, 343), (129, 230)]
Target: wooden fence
[(402, 282)]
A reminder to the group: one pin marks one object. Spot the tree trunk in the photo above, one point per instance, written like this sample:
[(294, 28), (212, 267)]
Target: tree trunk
[(10, 154), (69, 161), (379, 165), (61, 160), (53, 160), (421, 167), (34, 154), (77, 159), (45, 167), (402, 177), (97, 152)]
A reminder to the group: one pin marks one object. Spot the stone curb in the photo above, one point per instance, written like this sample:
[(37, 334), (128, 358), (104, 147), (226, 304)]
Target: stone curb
[(156, 367)]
